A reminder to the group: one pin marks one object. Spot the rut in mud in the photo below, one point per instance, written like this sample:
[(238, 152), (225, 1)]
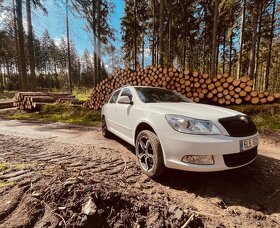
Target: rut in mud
[(52, 172)]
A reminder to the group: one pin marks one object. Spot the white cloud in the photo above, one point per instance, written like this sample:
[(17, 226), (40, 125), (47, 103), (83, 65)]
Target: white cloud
[(24, 23), (147, 52), (57, 40), (3, 16)]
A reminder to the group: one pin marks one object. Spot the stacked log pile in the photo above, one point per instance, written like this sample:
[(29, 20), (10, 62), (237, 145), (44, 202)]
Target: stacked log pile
[(6, 104), (222, 90), (32, 101)]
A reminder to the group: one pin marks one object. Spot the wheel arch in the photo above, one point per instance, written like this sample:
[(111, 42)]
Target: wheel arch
[(141, 127)]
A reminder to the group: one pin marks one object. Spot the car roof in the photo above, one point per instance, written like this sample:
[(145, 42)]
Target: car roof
[(130, 86)]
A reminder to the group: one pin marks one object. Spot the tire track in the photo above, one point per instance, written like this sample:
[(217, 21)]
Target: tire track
[(48, 152)]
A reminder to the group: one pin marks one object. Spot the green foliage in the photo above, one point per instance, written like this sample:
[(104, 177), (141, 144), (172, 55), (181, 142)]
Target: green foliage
[(266, 117), (82, 93), (66, 113), (7, 95), (6, 183), (134, 23), (8, 166)]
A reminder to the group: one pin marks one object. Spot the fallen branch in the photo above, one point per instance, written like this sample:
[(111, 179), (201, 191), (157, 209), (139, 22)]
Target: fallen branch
[(124, 163), (58, 215), (188, 221), (274, 194)]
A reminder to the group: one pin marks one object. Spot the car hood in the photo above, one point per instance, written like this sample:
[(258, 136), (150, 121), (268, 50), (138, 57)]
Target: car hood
[(193, 110)]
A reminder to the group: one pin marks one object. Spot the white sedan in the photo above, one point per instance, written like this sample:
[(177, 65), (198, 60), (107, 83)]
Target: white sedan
[(169, 130)]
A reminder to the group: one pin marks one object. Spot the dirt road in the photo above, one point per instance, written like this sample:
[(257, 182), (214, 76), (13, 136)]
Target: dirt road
[(59, 175)]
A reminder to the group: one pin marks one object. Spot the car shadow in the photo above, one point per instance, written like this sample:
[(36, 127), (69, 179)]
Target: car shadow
[(255, 186)]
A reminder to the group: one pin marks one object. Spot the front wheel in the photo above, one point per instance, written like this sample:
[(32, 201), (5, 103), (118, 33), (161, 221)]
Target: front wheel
[(149, 154), (105, 132)]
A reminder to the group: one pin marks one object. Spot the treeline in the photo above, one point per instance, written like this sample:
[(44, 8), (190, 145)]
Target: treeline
[(50, 64), (238, 37), (30, 63)]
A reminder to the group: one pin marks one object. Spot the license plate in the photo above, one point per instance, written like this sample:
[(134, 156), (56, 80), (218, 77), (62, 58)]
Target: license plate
[(249, 143)]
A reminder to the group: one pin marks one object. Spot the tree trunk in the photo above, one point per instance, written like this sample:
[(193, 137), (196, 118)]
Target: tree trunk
[(154, 34), (218, 52), (98, 7), (224, 51), (1, 80), (161, 21), (230, 51), (31, 46), (169, 43), (16, 42), (270, 46), (135, 36), (94, 42), (68, 49), (169, 34), (143, 52), (258, 47), (241, 39), (254, 12), (156, 51), (22, 60), (214, 39)]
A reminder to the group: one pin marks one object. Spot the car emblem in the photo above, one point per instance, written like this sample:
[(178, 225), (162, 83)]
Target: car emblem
[(245, 119)]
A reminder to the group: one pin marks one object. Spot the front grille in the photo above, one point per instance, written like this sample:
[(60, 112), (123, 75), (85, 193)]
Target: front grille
[(242, 158), (239, 126)]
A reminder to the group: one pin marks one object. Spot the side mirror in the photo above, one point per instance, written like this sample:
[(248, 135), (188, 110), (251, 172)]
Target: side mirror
[(124, 100)]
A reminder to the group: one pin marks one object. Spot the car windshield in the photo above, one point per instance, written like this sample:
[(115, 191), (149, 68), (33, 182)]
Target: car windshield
[(157, 95)]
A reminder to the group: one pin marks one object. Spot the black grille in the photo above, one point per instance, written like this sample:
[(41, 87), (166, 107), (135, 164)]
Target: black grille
[(239, 126), (242, 158)]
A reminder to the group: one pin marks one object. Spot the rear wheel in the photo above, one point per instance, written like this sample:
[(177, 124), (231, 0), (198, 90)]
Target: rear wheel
[(105, 132), (149, 154)]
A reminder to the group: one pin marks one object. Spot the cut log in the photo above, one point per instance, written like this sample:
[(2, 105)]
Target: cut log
[(255, 100), (270, 98)]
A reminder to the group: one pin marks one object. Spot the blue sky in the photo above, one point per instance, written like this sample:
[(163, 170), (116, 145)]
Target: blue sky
[(55, 23)]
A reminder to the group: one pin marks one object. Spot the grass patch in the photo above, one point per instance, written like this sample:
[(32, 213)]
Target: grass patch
[(7, 167), (267, 121), (2, 167), (82, 94), (7, 95), (66, 113), (266, 117), (6, 183)]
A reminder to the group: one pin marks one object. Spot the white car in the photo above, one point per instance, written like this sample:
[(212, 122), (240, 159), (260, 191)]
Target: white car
[(169, 130)]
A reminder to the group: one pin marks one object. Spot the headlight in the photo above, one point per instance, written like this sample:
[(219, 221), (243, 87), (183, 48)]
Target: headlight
[(192, 126)]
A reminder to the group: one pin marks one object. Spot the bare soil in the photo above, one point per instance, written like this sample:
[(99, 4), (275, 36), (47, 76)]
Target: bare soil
[(52, 170)]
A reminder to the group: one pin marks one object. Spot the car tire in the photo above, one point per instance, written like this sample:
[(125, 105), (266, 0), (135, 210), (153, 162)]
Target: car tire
[(105, 132), (149, 154)]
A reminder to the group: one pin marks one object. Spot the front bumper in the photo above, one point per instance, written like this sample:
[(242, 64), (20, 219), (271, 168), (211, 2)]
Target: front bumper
[(176, 145)]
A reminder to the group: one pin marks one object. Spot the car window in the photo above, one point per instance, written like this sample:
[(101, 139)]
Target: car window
[(157, 95), (115, 96), (126, 92)]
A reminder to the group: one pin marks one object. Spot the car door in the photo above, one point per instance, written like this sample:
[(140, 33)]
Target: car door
[(111, 112), (124, 116)]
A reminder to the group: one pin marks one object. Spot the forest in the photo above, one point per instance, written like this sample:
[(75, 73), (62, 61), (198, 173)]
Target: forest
[(237, 37)]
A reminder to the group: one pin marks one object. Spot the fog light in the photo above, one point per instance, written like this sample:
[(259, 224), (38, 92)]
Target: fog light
[(199, 159)]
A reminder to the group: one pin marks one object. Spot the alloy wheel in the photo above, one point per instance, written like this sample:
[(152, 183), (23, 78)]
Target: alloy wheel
[(145, 154)]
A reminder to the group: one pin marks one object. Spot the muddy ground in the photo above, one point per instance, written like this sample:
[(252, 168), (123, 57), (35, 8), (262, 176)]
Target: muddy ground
[(61, 175)]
